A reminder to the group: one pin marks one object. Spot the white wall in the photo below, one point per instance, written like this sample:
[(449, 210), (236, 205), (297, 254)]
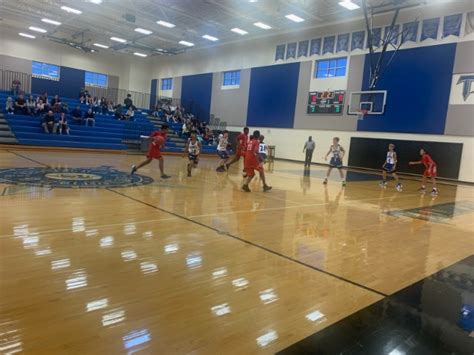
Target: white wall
[(133, 72), (293, 151)]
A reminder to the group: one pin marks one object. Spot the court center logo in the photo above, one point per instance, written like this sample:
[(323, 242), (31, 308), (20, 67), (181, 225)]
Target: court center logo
[(99, 177)]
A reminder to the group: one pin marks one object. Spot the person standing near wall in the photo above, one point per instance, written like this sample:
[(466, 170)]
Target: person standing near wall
[(309, 147)]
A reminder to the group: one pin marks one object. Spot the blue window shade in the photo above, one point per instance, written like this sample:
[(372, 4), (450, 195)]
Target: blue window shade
[(167, 84), (231, 78), (430, 28), (96, 79), (330, 68), (452, 25), (45, 71)]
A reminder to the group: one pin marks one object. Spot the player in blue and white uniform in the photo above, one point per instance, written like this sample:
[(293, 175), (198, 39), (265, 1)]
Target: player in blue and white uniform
[(337, 154), (193, 147), (262, 150), (390, 167), (223, 150)]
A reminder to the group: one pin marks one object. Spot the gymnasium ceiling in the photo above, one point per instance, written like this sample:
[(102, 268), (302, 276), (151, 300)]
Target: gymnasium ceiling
[(102, 19)]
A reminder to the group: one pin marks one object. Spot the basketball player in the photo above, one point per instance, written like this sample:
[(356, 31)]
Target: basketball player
[(222, 151), (252, 163), (158, 140), (262, 149), (337, 152), (193, 147), (390, 166), (431, 171), (242, 141)]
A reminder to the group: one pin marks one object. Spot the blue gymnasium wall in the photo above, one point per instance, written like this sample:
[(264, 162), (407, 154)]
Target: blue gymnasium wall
[(272, 96), (70, 83), (196, 91), (418, 82)]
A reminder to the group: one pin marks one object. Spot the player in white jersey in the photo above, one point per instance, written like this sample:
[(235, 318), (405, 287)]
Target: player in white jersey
[(193, 147), (337, 154), (222, 150), (390, 166), (262, 150)]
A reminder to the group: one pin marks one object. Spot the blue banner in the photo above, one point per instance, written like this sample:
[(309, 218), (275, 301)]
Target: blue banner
[(452, 25), (394, 39), (342, 43), (303, 47), (410, 31), (291, 50), (430, 29), (315, 47), (357, 40), (376, 37), (328, 44), (280, 52)]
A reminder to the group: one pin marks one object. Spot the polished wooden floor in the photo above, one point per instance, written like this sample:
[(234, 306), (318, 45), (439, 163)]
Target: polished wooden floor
[(194, 265)]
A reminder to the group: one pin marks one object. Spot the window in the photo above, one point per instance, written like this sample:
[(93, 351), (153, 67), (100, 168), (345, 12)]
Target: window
[(330, 68), (96, 79), (231, 78), (45, 71), (167, 84)]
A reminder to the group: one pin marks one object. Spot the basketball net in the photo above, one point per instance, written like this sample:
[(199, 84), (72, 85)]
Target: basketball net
[(361, 114)]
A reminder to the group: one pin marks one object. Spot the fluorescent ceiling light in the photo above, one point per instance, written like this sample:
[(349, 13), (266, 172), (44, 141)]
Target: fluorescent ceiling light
[(51, 22), (348, 4), (71, 10), (117, 39), (26, 35), (239, 31), (37, 29), (294, 18), (100, 45), (186, 43), (97, 2), (262, 25), (165, 24), (138, 54), (210, 38), (144, 31)]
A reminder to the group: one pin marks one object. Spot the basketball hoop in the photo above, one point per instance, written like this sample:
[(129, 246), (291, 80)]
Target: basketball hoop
[(361, 114)]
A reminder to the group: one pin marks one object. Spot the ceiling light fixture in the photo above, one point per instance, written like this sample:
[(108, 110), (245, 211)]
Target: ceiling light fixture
[(348, 4), (262, 25), (186, 43), (144, 31), (117, 39), (294, 18), (101, 45), (26, 35), (97, 2), (165, 24), (239, 31), (210, 38), (51, 22), (138, 54), (37, 29), (71, 10)]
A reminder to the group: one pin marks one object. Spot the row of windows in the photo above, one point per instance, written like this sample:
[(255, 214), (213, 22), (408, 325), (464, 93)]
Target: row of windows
[(52, 72), (327, 68)]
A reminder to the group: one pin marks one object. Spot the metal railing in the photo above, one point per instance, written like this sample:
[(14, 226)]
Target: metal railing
[(7, 77)]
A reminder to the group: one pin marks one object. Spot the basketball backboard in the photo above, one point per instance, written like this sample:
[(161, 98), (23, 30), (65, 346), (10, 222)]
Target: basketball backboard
[(369, 102)]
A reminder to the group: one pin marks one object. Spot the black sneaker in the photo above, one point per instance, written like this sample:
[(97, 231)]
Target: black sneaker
[(246, 188), (164, 176), (134, 170), (266, 188), (325, 181), (220, 169), (189, 174)]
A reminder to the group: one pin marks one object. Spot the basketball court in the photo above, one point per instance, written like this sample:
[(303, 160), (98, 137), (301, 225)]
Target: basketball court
[(193, 265)]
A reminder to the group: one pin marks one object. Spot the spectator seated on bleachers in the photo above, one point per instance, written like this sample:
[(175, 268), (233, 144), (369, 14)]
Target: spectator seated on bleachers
[(62, 124), (110, 108), (89, 118), (56, 104), (130, 113), (77, 115), (95, 105), (128, 101), (41, 108), (49, 123), (103, 106), (10, 106), (16, 87), (20, 105), (31, 106), (45, 99)]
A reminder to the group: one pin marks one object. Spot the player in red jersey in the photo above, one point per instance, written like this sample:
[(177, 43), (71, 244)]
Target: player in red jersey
[(252, 164), (242, 141), (430, 171), (158, 140)]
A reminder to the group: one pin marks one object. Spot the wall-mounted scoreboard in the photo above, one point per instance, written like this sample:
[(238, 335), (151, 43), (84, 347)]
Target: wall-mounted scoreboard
[(326, 102)]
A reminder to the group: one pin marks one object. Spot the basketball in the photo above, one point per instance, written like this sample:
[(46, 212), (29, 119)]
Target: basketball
[(159, 141)]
